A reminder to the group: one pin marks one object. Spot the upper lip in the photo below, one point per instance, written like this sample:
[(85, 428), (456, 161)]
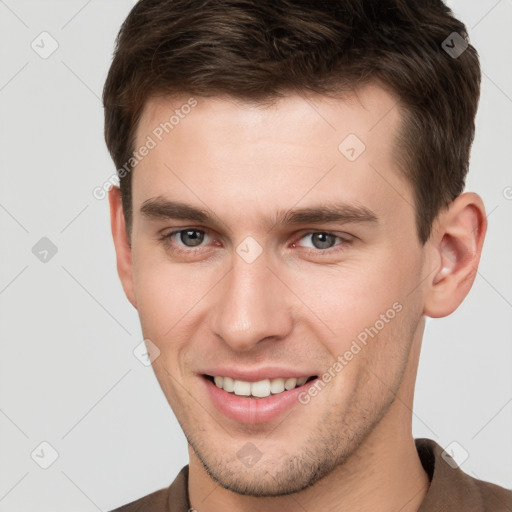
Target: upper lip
[(257, 374)]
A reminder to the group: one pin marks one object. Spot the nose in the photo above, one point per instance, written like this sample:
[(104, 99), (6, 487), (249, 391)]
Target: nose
[(252, 305)]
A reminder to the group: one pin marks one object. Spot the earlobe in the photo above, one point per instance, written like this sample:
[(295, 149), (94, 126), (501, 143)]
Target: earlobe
[(121, 244), (457, 246)]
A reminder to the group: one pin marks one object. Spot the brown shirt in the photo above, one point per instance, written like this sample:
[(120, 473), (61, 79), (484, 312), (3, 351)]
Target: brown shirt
[(450, 490)]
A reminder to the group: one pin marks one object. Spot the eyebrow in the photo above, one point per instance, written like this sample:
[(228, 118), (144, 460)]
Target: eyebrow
[(160, 208)]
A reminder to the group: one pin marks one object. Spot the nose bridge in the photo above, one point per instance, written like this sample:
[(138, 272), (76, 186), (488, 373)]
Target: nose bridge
[(251, 304)]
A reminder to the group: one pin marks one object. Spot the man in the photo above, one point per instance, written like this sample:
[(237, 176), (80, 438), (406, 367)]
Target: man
[(290, 211)]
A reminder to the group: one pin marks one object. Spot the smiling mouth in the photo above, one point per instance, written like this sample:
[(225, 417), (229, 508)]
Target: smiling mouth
[(260, 389)]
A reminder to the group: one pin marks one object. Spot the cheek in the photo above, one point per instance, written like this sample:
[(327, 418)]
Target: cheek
[(164, 292), (358, 301), (170, 296)]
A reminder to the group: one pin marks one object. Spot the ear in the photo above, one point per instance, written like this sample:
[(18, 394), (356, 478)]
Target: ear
[(456, 245), (122, 244)]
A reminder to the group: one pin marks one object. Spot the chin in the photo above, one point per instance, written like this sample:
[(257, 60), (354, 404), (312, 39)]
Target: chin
[(266, 482), (275, 474)]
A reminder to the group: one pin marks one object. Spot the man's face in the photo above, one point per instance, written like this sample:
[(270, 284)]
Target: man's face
[(246, 292)]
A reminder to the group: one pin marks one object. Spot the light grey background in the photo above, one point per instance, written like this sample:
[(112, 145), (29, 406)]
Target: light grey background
[(67, 372)]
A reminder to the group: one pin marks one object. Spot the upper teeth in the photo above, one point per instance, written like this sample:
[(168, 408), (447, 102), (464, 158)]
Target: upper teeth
[(259, 389)]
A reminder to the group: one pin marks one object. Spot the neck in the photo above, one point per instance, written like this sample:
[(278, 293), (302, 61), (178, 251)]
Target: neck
[(384, 474)]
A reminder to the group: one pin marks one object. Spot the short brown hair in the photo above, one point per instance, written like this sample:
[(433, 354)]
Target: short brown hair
[(259, 50)]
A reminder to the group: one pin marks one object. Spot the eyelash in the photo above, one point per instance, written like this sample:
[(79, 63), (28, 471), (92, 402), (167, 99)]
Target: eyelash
[(167, 240)]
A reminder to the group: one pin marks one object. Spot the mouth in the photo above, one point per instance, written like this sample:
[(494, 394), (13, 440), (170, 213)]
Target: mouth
[(259, 389), (267, 397)]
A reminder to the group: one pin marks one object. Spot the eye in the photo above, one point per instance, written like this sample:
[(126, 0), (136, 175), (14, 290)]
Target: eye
[(186, 237), (322, 240)]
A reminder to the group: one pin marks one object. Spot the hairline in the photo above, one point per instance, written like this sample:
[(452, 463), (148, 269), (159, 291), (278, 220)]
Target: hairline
[(266, 101)]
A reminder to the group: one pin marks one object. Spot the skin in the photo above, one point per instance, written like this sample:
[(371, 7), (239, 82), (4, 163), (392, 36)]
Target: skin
[(351, 447)]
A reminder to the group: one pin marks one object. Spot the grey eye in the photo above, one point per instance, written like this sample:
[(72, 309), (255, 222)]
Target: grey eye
[(191, 237), (322, 240)]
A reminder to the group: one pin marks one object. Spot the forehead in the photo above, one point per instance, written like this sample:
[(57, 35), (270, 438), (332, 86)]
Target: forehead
[(361, 110), (271, 153)]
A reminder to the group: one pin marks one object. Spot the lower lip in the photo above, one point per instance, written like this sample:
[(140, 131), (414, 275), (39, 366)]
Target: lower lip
[(253, 411)]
